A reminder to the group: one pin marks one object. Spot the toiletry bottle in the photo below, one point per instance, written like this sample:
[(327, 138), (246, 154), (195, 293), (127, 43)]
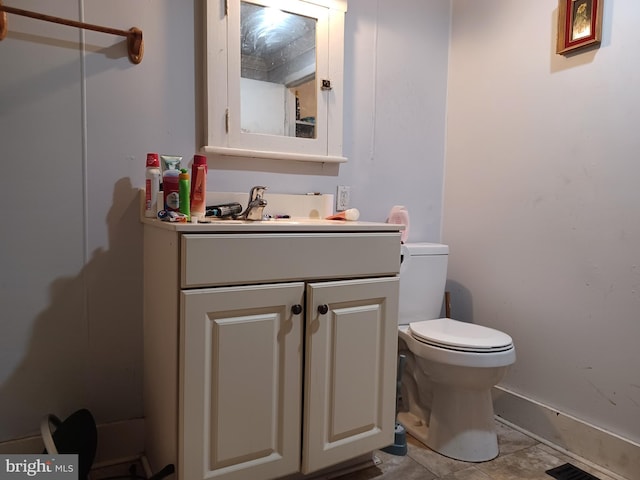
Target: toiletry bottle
[(170, 172), (151, 185), (184, 191), (170, 186), (198, 186)]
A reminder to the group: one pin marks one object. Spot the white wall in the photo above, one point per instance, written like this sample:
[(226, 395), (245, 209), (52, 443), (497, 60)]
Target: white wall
[(395, 109), (76, 121), (542, 205)]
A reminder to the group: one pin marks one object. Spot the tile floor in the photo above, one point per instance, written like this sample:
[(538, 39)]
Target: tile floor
[(521, 458)]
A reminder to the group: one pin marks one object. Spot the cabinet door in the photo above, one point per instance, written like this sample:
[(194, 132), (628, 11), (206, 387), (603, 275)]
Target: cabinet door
[(350, 365), (241, 382)]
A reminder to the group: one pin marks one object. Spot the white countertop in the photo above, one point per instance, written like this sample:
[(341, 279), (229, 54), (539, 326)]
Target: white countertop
[(307, 214), (275, 225)]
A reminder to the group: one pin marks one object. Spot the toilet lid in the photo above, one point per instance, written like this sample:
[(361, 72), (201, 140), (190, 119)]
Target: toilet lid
[(454, 334)]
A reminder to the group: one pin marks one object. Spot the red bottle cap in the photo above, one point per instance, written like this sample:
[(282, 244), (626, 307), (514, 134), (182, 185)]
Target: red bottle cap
[(152, 160), (199, 160)]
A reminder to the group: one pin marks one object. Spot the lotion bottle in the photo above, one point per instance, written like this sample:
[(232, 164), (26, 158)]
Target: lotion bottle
[(151, 185), (198, 195)]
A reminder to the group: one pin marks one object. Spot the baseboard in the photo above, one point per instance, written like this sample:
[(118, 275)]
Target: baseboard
[(568, 434), (117, 442), (124, 440)]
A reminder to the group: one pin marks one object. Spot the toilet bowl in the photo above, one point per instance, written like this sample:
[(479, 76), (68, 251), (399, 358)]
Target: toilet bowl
[(451, 365)]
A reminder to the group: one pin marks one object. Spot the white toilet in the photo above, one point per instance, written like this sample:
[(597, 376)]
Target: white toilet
[(451, 365)]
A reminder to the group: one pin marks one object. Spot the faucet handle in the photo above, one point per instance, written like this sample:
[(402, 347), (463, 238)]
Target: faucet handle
[(256, 193), (255, 206)]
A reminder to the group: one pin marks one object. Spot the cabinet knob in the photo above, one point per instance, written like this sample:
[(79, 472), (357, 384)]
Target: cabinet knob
[(296, 309), (323, 309)]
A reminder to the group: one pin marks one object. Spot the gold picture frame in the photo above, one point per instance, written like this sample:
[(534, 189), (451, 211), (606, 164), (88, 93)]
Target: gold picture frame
[(579, 24)]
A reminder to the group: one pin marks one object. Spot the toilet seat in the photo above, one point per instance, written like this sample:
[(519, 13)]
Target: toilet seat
[(460, 336)]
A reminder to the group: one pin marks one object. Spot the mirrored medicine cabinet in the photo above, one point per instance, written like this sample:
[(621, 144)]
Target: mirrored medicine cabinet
[(273, 86)]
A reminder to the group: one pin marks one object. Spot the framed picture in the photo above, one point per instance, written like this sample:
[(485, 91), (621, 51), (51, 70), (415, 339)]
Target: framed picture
[(579, 24)]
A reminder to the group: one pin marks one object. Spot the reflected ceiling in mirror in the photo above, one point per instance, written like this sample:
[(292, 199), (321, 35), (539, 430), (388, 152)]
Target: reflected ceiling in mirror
[(276, 44)]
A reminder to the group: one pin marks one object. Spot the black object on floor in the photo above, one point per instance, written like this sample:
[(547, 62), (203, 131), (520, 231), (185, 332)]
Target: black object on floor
[(570, 472), (77, 434)]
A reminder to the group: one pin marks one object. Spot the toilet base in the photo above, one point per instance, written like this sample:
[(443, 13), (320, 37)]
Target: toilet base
[(414, 426), (461, 425)]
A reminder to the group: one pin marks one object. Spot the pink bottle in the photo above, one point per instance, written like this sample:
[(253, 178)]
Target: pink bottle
[(400, 215)]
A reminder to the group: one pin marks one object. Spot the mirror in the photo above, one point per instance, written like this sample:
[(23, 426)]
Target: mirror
[(274, 80), (278, 72)]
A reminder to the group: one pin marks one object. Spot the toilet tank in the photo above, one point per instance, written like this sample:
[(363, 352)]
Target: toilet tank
[(423, 274)]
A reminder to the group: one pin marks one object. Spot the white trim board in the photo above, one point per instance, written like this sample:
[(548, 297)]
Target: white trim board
[(120, 441), (568, 434)]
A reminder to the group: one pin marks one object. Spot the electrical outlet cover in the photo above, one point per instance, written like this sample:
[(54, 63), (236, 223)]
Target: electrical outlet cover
[(342, 198)]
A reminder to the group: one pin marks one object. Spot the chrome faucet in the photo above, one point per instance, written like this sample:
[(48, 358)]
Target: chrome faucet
[(255, 208)]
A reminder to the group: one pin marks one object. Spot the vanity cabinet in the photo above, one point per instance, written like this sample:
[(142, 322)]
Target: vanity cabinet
[(268, 355)]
